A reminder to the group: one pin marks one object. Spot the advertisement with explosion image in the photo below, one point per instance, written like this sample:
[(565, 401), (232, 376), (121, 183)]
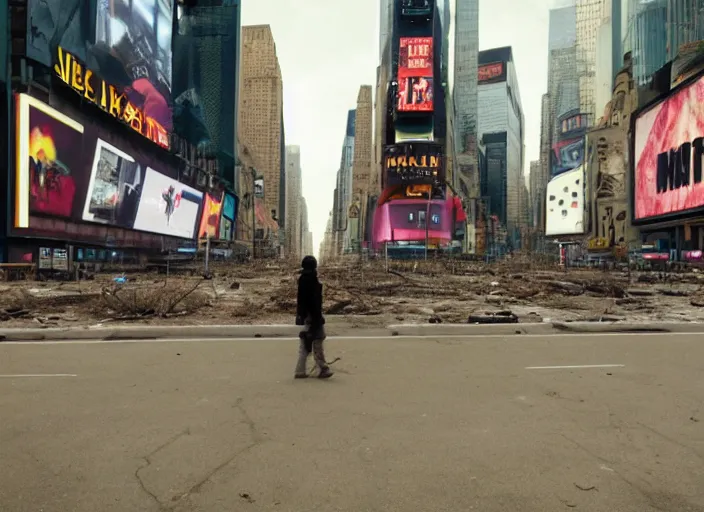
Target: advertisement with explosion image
[(668, 150), (210, 220), (133, 48), (168, 207), (415, 74), (49, 155), (114, 187)]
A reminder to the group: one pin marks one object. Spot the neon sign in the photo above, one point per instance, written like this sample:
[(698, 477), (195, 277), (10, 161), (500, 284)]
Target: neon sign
[(107, 97)]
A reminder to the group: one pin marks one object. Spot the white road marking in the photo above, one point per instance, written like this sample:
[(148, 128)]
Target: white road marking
[(26, 375), (341, 338), (575, 367)]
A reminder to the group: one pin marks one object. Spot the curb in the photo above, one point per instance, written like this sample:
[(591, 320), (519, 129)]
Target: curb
[(204, 332)]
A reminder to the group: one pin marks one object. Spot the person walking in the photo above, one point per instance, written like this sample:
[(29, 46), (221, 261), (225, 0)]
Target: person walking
[(309, 313)]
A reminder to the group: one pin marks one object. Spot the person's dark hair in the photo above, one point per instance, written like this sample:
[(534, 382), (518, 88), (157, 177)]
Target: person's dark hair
[(309, 263)]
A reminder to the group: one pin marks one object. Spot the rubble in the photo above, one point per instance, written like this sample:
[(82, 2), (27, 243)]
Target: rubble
[(448, 291)]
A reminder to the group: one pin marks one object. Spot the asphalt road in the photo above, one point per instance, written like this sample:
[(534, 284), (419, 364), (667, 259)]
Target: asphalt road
[(433, 424)]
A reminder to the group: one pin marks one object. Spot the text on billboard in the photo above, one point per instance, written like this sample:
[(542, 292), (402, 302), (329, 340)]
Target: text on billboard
[(674, 167), (107, 97)]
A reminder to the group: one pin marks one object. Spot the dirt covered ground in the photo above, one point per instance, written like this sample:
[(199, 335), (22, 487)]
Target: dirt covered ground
[(365, 294)]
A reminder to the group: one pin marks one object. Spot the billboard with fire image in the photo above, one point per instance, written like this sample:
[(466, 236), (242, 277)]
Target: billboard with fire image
[(48, 156), (415, 74), (210, 220)]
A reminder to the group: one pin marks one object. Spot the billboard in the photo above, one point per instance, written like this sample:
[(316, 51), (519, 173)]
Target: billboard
[(492, 73), (415, 74), (414, 163), (565, 204), (133, 41), (69, 178), (114, 187), (567, 155), (668, 147), (210, 219), (47, 161), (167, 206)]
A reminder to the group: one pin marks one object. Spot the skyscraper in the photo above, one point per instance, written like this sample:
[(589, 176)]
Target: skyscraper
[(501, 128), (293, 201), (205, 76), (261, 109), (646, 37), (590, 15), (464, 52), (343, 190), (362, 160), (563, 77), (685, 24)]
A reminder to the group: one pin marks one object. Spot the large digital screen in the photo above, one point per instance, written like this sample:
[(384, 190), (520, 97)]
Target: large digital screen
[(492, 73), (49, 156), (564, 213), (414, 163), (114, 187), (167, 206), (567, 155), (415, 74), (668, 148), (133, 50), (210, 220)]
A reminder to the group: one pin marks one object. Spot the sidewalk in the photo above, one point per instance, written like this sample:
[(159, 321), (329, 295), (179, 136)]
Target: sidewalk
[(126, 333)]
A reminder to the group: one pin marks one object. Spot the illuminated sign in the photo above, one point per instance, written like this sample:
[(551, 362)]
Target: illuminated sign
[(492, 72), (415, 74), (669, 155), (414, 163), (108, 97)]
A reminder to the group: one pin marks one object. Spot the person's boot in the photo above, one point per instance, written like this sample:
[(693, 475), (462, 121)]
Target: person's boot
[(325, 373)]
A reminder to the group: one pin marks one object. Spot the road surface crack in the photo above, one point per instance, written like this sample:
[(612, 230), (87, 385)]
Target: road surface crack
[(148, 462), (255, 440)]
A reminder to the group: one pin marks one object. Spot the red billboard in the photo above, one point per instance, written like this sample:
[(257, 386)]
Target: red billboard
[(668, 148), (494, 72), (415, 74)]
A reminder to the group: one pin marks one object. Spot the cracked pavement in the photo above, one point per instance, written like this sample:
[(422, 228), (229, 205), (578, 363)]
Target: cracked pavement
[(441, 424)]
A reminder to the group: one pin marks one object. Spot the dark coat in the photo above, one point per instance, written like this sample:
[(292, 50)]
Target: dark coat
[(309, 307)]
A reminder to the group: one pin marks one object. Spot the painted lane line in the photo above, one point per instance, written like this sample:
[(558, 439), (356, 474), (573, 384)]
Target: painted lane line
[(27, 375), (575, 367)]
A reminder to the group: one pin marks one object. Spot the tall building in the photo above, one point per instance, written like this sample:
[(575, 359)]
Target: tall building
[(304, 230), (205, 76), (536, 193), (685, 24), (501, 126), (294, 216), (589, 16), (385, 24), (646, 38), (545, 149), (343, 188), (563, 76), (261, 110), (362, 162), (463, 76)]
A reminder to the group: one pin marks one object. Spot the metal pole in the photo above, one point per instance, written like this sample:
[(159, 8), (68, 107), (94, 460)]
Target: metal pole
[(254, 219), (427, 222), (386, 255), (207, 254)]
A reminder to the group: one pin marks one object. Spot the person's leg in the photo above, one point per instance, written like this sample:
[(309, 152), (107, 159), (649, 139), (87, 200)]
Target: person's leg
[(319, 355), (303, 354)]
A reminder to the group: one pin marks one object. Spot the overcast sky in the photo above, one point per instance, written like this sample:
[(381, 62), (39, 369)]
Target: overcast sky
[(327, 49)]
